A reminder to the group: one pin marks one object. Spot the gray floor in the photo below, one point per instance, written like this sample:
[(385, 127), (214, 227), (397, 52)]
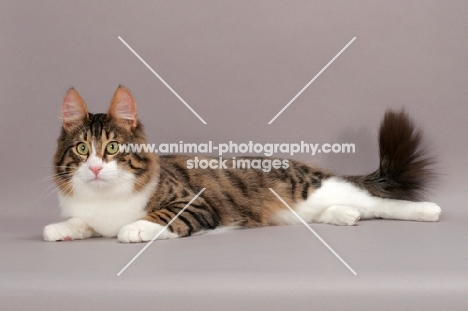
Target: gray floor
[(400, 266)]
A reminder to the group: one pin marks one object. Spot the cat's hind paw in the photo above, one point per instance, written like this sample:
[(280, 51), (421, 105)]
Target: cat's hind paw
[(340, 215), (428, 212), (143, 231)]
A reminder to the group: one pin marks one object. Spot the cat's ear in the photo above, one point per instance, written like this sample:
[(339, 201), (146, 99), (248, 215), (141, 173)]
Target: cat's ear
[(74, 110), (123, 108)]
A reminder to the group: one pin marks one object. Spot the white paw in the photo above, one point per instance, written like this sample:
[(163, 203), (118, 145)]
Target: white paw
[(143, 231), (348, 217), (428, 212), (340, 215), (72, 229)]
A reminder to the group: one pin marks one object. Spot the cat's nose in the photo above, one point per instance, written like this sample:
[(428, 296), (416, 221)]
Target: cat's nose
[(96, 169)]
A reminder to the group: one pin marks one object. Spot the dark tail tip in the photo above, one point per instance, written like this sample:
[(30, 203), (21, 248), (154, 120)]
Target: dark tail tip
[(405, 170), (405, 165)]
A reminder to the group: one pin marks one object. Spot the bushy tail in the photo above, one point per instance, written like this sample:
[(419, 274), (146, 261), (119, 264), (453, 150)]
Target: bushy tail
[(405, 169)]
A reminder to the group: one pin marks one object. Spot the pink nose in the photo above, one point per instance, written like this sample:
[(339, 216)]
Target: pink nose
[(95, 169)]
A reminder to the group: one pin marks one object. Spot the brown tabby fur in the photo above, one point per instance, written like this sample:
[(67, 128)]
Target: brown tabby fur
[(233, 197)]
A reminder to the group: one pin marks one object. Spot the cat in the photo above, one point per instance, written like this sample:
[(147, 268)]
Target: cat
[(133, 196)]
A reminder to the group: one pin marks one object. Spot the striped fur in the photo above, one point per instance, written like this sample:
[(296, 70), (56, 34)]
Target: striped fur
[(143, 192), (233, 197)]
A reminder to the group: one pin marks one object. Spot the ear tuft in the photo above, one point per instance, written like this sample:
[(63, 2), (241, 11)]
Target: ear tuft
[(123, 107), (74, 110)]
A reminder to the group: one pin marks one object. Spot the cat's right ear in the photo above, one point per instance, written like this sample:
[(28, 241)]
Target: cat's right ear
[(74, 110)]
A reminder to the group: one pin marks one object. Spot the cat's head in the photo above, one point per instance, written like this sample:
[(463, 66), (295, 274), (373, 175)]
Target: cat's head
[(88, 158)]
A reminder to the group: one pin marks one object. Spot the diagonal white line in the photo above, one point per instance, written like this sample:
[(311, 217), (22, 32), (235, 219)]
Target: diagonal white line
[(162, 80), (312, 230), (156, 236), (313, 79)]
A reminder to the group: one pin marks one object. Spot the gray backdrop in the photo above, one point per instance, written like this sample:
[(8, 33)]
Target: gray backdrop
[(237, 63)]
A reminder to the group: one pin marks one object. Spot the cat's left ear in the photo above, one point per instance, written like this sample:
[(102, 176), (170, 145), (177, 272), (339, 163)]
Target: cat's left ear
[(123, 108)]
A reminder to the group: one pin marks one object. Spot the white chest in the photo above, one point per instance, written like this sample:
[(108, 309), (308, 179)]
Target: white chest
[(105, 215)]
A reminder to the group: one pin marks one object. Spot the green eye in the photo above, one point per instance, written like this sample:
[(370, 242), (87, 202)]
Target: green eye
[(82, 148), (112, 147)]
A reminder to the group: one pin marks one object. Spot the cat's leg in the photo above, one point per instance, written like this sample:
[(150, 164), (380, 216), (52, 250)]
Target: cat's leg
[(375, 207), (71, 229), (197, 218), (402, 210), (335, 200)]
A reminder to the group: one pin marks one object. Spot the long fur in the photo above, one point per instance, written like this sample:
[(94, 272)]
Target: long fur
[(133, 195), (405, 170)]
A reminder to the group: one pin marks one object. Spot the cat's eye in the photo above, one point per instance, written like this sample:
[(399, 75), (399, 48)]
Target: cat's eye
[(112, 147), (82, 148)]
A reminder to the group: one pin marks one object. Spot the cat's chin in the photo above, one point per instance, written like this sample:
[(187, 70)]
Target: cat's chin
[(100, 188), (99, 183)]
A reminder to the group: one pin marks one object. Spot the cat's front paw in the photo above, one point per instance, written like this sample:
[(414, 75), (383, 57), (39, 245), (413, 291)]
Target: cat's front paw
[(55, 232), (143, 231), (72, 229)]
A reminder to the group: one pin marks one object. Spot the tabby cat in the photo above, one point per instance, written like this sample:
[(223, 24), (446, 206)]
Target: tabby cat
[(133, 196)]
